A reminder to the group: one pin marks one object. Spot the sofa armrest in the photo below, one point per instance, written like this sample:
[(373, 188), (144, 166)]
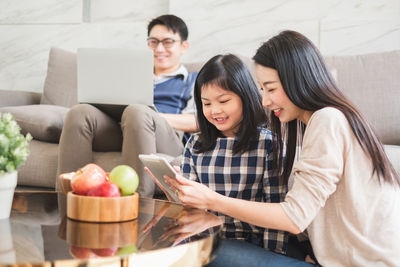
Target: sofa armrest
[(18, 98)]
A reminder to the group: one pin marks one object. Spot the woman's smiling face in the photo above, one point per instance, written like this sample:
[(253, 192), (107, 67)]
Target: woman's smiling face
[(275, 98)]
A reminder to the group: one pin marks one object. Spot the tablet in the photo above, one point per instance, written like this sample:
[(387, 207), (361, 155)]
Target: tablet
[(159, 167)]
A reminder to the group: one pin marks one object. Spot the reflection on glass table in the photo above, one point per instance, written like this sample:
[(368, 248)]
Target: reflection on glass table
[(38, 232)]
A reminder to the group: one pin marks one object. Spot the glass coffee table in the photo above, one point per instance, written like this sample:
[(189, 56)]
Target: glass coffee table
[(165, 234)]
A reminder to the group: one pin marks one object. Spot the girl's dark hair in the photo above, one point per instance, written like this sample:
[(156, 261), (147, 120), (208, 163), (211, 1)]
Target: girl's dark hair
[(173, 23), (309, 85), (230, 73)]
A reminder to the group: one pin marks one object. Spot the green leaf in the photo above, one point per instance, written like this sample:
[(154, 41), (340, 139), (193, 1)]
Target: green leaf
[(14, 146)]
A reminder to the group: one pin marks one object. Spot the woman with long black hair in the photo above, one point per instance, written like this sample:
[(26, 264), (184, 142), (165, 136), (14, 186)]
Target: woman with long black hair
[(346, 193)]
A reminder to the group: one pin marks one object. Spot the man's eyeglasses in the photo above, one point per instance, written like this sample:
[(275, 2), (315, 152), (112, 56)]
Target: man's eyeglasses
[(167, 42)]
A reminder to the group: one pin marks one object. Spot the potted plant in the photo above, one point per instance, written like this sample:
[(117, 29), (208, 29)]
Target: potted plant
[(13, 152)]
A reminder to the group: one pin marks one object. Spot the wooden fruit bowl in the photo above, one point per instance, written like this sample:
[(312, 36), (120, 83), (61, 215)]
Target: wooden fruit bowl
[(101, 235), (102, 209), (64, 180)]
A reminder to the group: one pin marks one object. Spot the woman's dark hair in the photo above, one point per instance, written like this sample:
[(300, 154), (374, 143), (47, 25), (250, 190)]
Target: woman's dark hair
[(230, 73), (309, 85), (173, 23)]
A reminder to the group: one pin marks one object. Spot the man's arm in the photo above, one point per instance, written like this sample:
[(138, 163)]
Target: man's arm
[(182, 122)]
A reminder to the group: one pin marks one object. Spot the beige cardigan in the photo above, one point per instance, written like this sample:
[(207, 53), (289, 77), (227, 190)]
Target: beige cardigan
[(351, 219)]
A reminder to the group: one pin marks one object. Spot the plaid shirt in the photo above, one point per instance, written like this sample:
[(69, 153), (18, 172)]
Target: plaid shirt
[(246, 176)]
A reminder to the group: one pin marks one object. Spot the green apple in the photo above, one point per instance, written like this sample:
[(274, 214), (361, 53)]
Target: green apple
[(131, 249), (126, 178)]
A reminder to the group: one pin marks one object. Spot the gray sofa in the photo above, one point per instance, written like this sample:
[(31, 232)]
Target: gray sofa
[(371, 81)]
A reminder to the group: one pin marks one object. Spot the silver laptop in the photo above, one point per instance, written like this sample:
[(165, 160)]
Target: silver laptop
[(115, 76)]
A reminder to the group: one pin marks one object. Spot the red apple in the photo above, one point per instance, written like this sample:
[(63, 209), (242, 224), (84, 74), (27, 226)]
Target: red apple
[(88, 177), (82, 253), (106, 189), (105, 252)]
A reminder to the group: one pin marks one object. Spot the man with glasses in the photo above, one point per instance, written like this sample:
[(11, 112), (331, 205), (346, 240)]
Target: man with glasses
[(139, 130)]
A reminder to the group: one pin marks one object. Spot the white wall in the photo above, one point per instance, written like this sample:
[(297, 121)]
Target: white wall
[(338, 27)]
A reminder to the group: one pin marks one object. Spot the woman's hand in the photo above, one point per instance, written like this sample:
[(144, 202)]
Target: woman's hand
[(192, 194)]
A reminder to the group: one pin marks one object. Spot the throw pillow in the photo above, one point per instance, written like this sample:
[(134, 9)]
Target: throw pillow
[(43, 122), (60, 87), (371, 82)]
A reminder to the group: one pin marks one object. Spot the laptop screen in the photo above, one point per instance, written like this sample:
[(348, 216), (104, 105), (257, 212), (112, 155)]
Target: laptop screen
[(115, 76)]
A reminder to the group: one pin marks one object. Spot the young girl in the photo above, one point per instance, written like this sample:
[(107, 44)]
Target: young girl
[(232, 153), (345, 192)]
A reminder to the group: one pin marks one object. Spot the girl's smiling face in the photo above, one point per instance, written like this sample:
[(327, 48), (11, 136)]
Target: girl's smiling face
[(222, 108), (275, 98)]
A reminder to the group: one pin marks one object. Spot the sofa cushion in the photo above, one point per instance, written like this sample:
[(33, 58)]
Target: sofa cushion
[(43, 122), (371, 82), (40, 169), (196, 66), (60, 87)]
